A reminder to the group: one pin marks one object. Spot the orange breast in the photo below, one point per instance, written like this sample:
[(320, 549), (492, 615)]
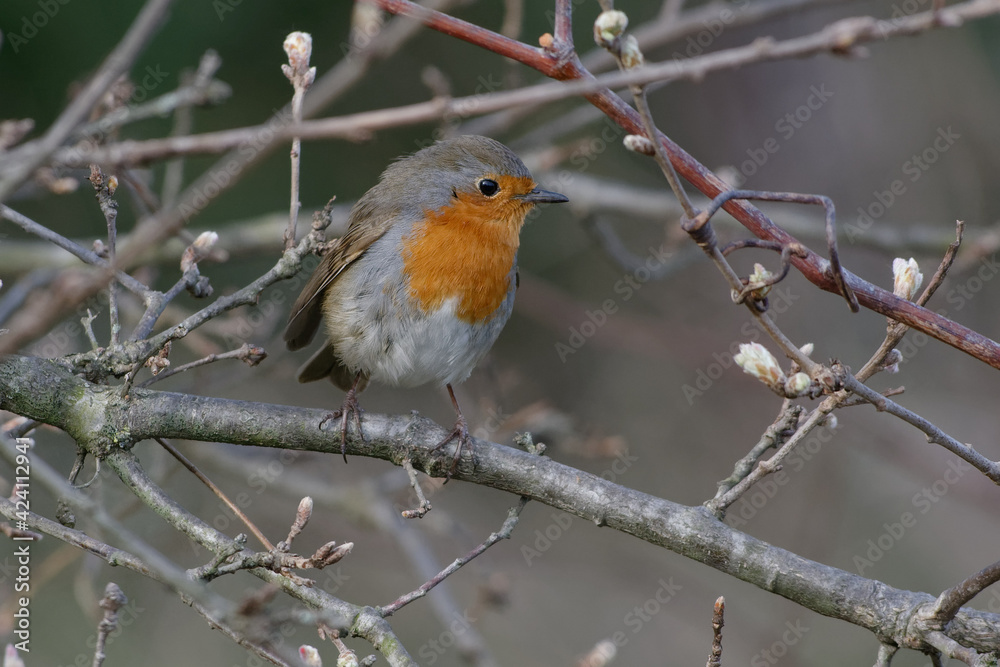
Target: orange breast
[(465, 250)]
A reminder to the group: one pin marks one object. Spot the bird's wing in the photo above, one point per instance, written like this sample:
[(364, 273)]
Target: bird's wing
[(307, 311)]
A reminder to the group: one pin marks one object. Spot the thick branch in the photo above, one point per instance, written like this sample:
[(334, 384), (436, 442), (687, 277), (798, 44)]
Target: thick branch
[(42, 390)]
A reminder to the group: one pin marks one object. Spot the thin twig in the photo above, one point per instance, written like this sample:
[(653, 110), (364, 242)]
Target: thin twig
[(118, 557), (191, 280), (885, 653), (424, 506), (502, 534), (196, 93), (88, 256), (934, 434), (166, 570), (88, 327), (896, 330), (287, 266), (298, 46), (628, 56), (951, 600), (830, 39), (772, 438), (564, 24), (950, 648), (650, 36), (105, 188), (247, 353), (113, 600), (718, 620), (942, 270), (662, 159), (835, 270), (815, 419), (233, 507)]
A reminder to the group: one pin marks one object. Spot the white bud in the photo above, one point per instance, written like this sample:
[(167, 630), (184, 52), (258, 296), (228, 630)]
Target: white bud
[(639, 144), (630, 53), (310, 656), (156, 364), (347, 659), (205, 242), (603, 654), (608, 27), (298, 46), (906, 278), (760, 275), (891, 362), (807, 349), (755, 360), (798, 384)]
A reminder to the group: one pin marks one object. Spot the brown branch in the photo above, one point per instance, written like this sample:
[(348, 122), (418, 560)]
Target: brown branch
[(836, 38), (219, 493), (896, 331)]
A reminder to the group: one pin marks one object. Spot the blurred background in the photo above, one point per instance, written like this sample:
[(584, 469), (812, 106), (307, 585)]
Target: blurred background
[(647, 395)]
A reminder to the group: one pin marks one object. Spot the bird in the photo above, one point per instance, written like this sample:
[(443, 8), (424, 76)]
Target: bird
[(421, 284)]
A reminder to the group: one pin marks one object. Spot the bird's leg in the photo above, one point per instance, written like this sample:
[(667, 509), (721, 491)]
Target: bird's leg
[(350, 406), (460, 433)]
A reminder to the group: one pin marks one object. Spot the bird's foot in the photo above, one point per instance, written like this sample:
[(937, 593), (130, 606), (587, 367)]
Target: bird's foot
[(350, 407), (460, 433)]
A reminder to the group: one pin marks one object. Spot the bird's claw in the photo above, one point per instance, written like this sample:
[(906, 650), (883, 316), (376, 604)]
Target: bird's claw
[(460, 433), (350, 406)]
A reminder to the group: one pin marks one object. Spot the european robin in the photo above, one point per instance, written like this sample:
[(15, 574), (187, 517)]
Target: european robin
[(420, 286)]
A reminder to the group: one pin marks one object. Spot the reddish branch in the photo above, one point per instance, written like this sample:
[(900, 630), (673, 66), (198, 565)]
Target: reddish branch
[(559, 61)]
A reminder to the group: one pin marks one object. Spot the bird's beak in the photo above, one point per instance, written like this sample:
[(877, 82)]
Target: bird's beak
[(538, 196)]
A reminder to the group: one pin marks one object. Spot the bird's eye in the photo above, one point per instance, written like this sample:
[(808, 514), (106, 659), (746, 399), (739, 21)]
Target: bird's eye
[(488, 187)]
